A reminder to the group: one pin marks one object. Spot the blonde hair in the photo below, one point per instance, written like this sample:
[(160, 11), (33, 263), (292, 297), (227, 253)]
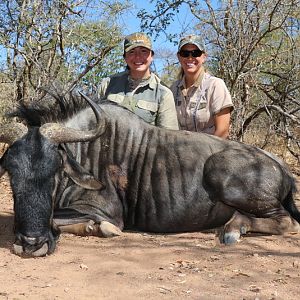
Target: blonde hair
[(181, 73)]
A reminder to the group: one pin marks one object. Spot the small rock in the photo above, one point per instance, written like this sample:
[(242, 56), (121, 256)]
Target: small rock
[(296, 264), (83, 267), (214, 257), (254, 288), (4, 294), (275, 294), (121, 273)]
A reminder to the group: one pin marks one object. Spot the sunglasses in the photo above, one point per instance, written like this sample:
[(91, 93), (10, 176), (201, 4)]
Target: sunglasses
[(187, 53)]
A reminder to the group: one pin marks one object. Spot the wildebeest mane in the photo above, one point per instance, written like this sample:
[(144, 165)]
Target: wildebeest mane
[(53, 107)]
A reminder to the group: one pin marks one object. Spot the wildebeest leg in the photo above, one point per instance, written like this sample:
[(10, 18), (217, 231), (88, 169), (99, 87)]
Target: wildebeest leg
[(104, 229), (241, 224)]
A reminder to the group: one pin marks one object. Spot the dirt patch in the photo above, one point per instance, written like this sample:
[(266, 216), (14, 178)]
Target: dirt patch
[(146, 266)]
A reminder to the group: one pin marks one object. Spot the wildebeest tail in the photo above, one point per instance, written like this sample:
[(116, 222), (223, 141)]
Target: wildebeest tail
[(289, 203)]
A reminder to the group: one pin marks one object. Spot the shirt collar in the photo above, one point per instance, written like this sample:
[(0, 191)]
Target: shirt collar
[(151, 81), (196, 84)]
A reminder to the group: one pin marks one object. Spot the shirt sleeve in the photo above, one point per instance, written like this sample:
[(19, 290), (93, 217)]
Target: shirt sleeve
[(167, 116), (221, 97), (102, 88)]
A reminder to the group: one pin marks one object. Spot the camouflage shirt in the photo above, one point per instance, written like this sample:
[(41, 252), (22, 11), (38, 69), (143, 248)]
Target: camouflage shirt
[(147, 98)]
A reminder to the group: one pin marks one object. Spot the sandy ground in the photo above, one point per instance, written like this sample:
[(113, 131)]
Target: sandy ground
[(146, 266)]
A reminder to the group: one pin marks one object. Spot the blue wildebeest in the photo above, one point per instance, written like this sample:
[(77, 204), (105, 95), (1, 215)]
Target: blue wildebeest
[(104, 170)]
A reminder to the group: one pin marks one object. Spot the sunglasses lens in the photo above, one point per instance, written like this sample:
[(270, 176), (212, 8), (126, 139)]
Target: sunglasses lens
[(184, 53), (194, 53)]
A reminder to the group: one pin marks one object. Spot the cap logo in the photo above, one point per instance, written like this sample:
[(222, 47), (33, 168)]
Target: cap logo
[(138, 41)]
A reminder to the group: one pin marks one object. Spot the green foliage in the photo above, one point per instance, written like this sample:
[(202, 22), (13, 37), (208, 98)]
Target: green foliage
[(59, 40), (163, 15), (84, 44), (109, 65)]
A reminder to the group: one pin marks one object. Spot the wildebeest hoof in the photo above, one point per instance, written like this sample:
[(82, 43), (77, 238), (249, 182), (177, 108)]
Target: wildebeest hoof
[(230, 238), (104, 229), (109, 230)]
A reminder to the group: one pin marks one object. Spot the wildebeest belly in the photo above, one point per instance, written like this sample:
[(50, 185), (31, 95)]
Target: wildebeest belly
[(178, 216)]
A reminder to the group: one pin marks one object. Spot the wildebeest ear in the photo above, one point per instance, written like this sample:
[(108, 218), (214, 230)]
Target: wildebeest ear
[(78, 174)]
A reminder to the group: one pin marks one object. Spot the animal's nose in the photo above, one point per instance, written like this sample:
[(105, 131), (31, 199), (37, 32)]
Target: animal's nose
[(30, 246), (18, 250), (32, 240)]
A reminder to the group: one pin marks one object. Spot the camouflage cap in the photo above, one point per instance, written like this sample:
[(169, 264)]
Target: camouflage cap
[(137, 39), (192, 39)]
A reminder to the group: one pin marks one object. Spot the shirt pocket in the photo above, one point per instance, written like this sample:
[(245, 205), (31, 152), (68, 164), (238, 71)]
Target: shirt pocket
[(202, 104), (151, 106), (147, 110), (200, 99), (116, 98)]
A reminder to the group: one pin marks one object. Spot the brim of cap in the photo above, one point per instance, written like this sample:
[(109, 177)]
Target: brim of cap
[(191, 43), (136, 45)]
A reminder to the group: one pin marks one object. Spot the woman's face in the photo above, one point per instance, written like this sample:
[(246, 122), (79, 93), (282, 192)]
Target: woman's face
[(191, 64), (139, 60)]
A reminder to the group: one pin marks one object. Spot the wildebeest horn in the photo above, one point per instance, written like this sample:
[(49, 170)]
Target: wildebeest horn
[(61, 134), (9, 133)]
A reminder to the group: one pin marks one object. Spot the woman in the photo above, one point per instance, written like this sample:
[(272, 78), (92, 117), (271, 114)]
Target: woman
[(138, 89), (203, 102)]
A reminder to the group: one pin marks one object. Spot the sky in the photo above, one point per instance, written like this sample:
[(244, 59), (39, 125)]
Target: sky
[(183, 19)]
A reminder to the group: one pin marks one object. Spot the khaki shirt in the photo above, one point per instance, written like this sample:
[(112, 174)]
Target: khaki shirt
[(197, 106), (150, 100)]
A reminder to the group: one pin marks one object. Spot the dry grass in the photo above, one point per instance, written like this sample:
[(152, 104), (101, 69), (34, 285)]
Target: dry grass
[(6, 99), (273, 144)]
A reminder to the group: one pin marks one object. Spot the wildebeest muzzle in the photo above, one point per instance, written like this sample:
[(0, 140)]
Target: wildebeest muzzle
[(35, 246)]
